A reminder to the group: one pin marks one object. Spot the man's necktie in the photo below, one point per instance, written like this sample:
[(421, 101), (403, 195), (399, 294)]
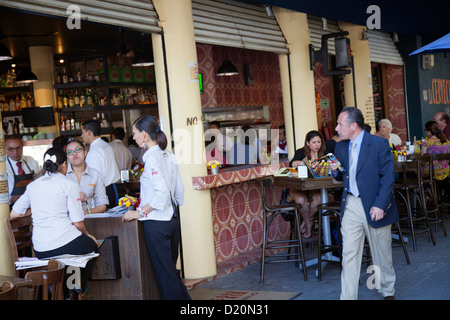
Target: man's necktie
[(352, 174), (20, 169)]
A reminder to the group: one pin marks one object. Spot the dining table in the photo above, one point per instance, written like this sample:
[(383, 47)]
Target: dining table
[(323, 184)]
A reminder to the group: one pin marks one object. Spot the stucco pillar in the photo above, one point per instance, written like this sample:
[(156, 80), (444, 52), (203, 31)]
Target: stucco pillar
[(6, 259), (41, 61), (294, 26), (175, 18), (362, 74)]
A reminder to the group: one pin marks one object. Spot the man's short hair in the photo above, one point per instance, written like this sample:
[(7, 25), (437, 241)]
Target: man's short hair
[(92, 125), (119, 133)]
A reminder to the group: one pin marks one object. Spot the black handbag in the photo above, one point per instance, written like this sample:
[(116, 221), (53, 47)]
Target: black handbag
[(287, 216)]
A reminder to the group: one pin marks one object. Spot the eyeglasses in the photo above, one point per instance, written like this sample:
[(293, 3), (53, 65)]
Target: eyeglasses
[(77, 150), (9, 149)]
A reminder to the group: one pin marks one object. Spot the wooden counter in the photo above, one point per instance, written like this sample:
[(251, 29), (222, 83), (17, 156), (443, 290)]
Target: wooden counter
[(227, 177), (138, 281)]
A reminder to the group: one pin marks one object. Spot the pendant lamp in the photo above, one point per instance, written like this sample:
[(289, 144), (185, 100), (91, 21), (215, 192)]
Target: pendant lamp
[(227, 69), (5, 54), (143, 58), (26, 76)]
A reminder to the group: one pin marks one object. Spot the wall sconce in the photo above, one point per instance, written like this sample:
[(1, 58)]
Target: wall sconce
[(26, 76), (227, 69), (269, 12), (5, 54)]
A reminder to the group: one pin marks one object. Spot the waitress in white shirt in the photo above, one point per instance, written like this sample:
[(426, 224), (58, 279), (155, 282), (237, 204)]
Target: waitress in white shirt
[(58, 226), (156, 211)]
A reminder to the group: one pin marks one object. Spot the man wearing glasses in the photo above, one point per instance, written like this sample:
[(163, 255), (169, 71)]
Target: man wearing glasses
[(21, 170)]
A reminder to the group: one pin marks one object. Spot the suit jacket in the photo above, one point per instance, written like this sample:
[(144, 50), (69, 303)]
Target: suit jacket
[(374, 177)]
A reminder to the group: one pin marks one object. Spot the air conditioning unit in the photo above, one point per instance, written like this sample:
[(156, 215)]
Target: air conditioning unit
[(428, 61)]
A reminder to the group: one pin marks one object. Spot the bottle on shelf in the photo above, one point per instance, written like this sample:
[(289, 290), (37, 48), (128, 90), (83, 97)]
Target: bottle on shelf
[(60, 101), (29, 101), (65, 99), (104, 121), (71, 100), (79, 77), (76, 99), (65, 77), (17, 104), (10, 129), (12, 104), (89, 98), (13, 78), (23, 102), (62, 124), (82, 99)]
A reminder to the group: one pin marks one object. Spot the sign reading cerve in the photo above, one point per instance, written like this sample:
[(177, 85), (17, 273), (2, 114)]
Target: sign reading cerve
[(191, 121)]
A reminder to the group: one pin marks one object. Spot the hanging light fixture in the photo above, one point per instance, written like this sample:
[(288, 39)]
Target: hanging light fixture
[(227, 69), (143, 58), (26, 76), (5, 54)]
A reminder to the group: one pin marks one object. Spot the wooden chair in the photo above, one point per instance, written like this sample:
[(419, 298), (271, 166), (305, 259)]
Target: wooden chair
[(8, 291), (270, 212), (20, 231), (52, 277)]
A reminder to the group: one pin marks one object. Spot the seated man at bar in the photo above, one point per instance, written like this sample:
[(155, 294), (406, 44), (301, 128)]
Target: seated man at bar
[(91, 186), (222, 142), (121, 152), (21, 170)]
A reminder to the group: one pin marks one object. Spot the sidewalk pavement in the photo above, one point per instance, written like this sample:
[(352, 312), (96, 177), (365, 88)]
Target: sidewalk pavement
[(426, 278)]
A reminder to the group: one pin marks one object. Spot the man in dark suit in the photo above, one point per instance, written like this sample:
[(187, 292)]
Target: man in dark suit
[(368, 203)]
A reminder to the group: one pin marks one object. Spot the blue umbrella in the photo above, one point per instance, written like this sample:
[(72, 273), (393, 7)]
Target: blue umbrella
[(440, 45)]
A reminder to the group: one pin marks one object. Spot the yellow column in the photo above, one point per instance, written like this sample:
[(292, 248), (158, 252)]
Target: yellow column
[(295, 29), (363, 74), (175, 18), (41, 61), (6, 259)]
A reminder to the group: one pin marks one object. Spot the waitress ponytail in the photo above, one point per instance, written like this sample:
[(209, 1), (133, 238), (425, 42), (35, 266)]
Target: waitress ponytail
[(53, 158), (150, 125)]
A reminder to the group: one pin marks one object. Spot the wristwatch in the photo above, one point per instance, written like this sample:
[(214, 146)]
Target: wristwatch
[(141, 212)]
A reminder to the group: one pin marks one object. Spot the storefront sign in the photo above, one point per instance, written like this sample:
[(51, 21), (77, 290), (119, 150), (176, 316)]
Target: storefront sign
[(439, 93)]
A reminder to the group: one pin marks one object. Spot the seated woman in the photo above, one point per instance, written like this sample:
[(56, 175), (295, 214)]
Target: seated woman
[(385, 127), (436, 143), (91, 186), (58, 226), (313, 149)]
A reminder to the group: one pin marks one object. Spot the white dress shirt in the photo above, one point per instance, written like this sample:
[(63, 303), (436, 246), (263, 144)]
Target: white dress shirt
[(155, 190), (122, 154), (101, 157), (55, 205), (27, 164), (91, 183)]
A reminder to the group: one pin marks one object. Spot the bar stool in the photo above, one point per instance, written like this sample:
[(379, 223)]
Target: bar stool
[(407, 189), (428, 188), (331, 209), (270, 212)]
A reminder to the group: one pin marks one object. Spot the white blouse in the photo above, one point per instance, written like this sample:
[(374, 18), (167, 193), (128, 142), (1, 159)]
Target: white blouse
[(55, 204), (155, 190)]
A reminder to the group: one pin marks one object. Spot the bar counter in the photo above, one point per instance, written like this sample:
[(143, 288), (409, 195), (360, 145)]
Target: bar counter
[(237, 209), (138, 281)]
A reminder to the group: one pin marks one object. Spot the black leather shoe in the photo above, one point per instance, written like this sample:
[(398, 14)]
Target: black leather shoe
[(389, 298)]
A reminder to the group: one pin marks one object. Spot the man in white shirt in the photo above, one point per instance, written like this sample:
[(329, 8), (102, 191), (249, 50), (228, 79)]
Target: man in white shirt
[(121, 153), (101, 157), (20, 169)]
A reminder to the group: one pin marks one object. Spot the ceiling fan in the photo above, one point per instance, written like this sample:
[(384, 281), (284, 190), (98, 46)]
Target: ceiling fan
[(46, 34)]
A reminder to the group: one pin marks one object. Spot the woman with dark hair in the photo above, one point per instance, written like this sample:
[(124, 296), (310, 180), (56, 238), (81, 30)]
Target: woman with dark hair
[(436, 143), (313, 149), (161, 227), (58, 226)]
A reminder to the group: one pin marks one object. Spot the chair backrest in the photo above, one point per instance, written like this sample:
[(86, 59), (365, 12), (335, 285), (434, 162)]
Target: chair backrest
[(43, 279), (427, 166), (8, 291), (20, 231), (408, 169), (265, 183)]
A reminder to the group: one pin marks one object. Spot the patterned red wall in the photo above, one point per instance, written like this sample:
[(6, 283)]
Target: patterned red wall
[(396, 96), (232, 91)]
